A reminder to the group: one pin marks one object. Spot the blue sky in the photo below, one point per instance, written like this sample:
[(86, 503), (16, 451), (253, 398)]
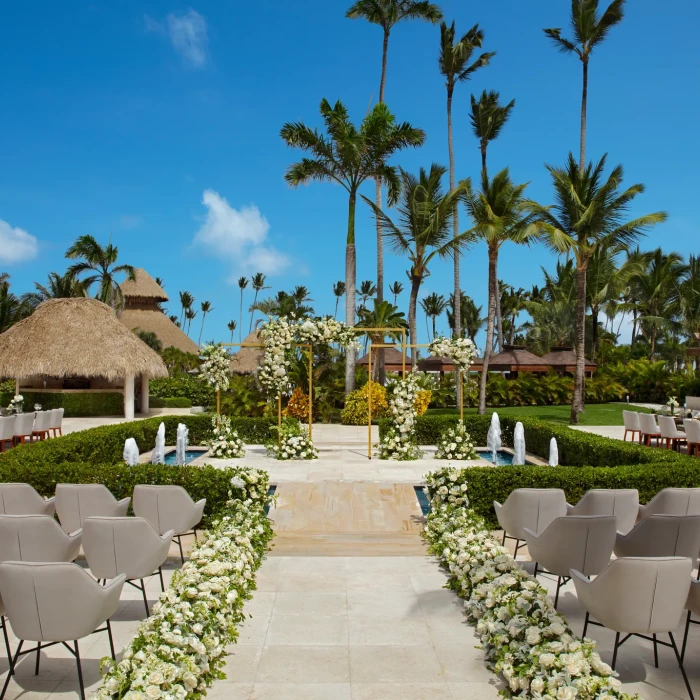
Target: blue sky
[(158, 124)]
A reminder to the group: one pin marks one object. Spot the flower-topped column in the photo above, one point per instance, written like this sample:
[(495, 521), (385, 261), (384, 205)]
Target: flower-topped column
[(215, 369), (461, 351), (399, 440)]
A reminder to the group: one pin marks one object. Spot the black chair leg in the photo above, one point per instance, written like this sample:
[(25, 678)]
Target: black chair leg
[(145, 599), (535, 571), (80, 671), (111, 640), (585, 625), (160, 574), (685, 636), (7, 646), (503, 541), (617, 644), (182, 555), (38, 657), (12, 666), (680, 664), (656, 652), (556, 597)]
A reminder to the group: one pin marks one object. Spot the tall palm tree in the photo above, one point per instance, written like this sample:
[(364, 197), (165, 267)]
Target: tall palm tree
[(589, 214), (338, 292), (242, 284), (454, 63), (58, 287), (100, 264), (190, 315), (206, 308), (500, 213), (186, 302), (689, 298), (590, 29), (367, 290), (349, 156), (12, 307), (383, 315), (423, 229), (386, 14), (396, 288), (433, 305), (257, 281), (232, 327)]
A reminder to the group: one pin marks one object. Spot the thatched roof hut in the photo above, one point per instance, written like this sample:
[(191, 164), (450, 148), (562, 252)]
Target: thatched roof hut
[(436, 364), (515, 358), (563, 359), (142, 313), (392, 359), (246, 360)]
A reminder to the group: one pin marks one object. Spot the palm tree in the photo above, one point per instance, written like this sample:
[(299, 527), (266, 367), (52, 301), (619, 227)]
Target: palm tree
[(242, 284), (386, 14), (293, 305), (206, 308), (189, 316), (12, 307), (58, 287), (338, 291), (500, 213), (186, 302), (425, 215), (257, 281), (349, 156), (396, 288), (100, 264), (589, 29), (383, 315), (472, 321), (232, 327), (433, 305), (367, 289), (454, 63), (689, 298), (588, 215)]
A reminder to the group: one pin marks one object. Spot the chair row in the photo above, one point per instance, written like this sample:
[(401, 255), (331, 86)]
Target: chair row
[(26, 427), (645, 426)]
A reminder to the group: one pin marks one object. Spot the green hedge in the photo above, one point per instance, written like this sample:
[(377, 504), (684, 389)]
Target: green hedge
[(184, 386), (170, 402), (75, 405)]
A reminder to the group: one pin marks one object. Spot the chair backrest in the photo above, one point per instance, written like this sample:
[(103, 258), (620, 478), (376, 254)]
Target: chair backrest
[(42, 421), (692, 430), (75, 502), (673, 501), (631, 420), (533, 509), (128, 546), (662, 536), (622, 503), (24, 424), (66, 602), (7, 427), (648, 424), (692, 403), (56, 418), (166, 508), (693, 602), (667, 426), (35, 538), (22, 499)]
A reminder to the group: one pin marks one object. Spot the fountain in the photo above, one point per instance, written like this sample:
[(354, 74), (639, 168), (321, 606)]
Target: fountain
[(519, 444), (131, 452), (158, 455), (493, 438), (553, 453), (181, 445)]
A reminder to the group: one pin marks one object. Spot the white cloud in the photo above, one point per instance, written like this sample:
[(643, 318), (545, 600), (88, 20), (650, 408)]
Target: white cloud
[(16, 245), (187, 33), (238, 235)]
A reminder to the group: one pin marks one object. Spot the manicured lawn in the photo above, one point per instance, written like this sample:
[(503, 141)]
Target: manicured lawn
[(595, 414)]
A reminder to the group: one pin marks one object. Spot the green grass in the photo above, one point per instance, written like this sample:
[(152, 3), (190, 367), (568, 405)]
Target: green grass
[(595, 414)]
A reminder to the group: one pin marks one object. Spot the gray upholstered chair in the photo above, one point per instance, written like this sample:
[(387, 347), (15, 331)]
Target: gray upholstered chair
[(649, 428), (3, 624), (75, 502), (632, 425), (533, 509), (56, 423), (22, 499), (67, 604), (670, 433), (637, 596), (24, 424), (622, 503), (693, 607), (692, 434), (7, 431), (581, 542), (168, 508), (128, 546), (36, 538), (673, 502), (42, 423)]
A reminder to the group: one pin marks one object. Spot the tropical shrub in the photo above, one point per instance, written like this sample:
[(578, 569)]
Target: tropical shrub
[(170, 402), (199, 393), (356, 411), (648, 381), (423, 399), (244, 398), (298, 406)]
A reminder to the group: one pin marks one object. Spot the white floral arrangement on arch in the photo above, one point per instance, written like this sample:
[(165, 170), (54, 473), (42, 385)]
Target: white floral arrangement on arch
[(294, 443), (180, 649), (461, 351), (215, 369), (399, 439), (456, 443), (224, 442)]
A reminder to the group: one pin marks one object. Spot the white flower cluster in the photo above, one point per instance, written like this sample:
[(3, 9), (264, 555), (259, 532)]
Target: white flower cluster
[(293, 444), (455, 443), (224, 442), (215, 369), (280, 335), (446, 486), (180, 649), (399, 440), (525, 639), (16, 403), (461, 351)]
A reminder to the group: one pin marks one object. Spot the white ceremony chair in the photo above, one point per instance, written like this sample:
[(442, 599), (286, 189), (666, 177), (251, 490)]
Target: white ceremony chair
[(673, 501), (649, 429), (693, 607), (7, 431), (24, 425), (75, 502), (632, 424), (36, 538), (56, 424), (169, 508), (3, 624), (67, 604), (692, 435), (670, 433), (42, 423), (622, 503), (22, 499)]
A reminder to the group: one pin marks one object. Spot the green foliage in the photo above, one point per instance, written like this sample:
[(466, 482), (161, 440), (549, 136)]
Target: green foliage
[(355, 411), (151, 339), (243, 397), (651, 381), (171, 402), (186, 386), (76, 405)]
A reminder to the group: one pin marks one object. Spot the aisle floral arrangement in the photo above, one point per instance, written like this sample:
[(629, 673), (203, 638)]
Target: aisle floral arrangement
[(461, 351), (294, 443), (215, 369), (399, 440), (456, 443), (224, 443), (180, 649), (525, 639)]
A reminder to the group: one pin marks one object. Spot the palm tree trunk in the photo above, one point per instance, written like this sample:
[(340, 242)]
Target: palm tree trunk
[(634, 326), (350, 282), (594, 331), (497, 292), (412, 326), (240, 320), (584, 107), (455, 223), (201, 330), (427, 327), (493, 265), (577, 405), (484, 146), (252, 311), (335, 313), (434, 328), (231, 337)]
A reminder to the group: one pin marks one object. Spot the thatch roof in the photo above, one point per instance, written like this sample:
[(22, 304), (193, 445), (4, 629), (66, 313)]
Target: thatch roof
[(564, 358), (515, 358), (436, 364), (143, 286), (157, 322), (246, 360), (392, 359), (75, 338)]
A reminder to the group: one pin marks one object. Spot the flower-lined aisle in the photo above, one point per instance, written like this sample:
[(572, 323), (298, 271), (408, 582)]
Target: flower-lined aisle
[(179, 651), (525, 639)]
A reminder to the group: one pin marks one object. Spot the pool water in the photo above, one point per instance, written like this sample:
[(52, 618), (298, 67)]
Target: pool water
[(270, 492), (190, 456), (502, 457), (422, 499)]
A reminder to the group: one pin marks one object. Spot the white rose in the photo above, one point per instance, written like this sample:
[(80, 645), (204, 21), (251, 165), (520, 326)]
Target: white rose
[(547, 660), (153, 692), (566, 692)]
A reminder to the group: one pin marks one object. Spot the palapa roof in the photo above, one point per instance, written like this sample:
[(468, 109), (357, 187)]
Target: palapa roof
[(157, 322), (392, 358), (143, 286), (515, 358), (436, 364), (564, 358), (75, 338), (246, 360)]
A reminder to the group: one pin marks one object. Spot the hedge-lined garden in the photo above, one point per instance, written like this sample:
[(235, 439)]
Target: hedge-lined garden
[(77, 405)]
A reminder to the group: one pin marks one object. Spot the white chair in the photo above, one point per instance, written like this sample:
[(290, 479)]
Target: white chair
[(168, 508), (637, 597), (66, 604), (673, 501), (632, 425), (581, 542), (36, 538), (129, 546), (75, 502), (56, 424), (622, 503), (649, 428), (24, 425), (3, 624), (42, 421), (692, 435), (7, 431), (22, 499), (670, 433), (693, 607)]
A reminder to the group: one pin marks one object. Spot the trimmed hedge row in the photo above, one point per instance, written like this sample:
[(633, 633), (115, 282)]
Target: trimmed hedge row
[(74, 405), (170, 402)]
